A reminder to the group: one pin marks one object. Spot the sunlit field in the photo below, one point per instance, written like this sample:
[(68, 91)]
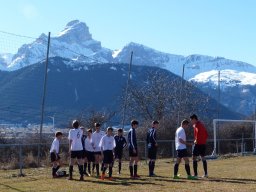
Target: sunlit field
[(230, 174)]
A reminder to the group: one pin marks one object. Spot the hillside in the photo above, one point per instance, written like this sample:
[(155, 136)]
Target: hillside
[(73, 87)]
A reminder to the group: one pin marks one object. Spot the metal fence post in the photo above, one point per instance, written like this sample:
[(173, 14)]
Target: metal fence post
[(145, 151), (218, 152), (20, 161), (173, 148)]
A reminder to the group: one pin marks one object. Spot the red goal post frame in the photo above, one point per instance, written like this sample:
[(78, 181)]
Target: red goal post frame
[(230, 120)]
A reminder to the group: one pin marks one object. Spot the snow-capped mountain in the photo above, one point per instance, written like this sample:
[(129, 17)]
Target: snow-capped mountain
[(75, 42), (196, 67), (229, 78), (5, 58), (72, 42)]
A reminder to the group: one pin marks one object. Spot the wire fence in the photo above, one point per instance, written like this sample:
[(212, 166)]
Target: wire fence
[(21, 156)]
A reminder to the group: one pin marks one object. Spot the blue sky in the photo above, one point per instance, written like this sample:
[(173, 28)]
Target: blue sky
[(224, 28)]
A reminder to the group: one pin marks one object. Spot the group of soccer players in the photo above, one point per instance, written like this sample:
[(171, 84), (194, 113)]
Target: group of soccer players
[(91, 150)]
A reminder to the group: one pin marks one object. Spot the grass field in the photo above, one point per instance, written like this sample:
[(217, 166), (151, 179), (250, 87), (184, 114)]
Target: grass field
[(231, 174)]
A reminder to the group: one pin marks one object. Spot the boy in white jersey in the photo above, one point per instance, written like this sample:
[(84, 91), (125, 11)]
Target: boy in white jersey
[(107, 145), (54, 153), (181, 148), (96, 137), (75, 149)]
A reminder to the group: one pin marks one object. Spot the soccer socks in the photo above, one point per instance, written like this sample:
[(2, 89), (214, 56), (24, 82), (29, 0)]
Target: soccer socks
[(119, 167), (102, 165), (176, 169), (85, 167), (131, 170), (187, 168), (70, 171), (149, 167), (93, 167), (53, 171), (104, 170), (153, 167), (205, 167), (135, 167), (81, 169), (97, 169), (195, 167), (110, 171), (57, 168), (89, 168)]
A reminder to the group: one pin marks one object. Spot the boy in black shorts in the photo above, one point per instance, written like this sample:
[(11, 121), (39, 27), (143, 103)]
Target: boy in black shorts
[(133, 150), (152, 147), (54, 153), (120, 145), (181, 148), (75, 149), (107, 145)]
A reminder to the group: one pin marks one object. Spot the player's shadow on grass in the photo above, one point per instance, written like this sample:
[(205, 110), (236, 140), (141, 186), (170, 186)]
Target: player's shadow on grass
[(232, 180), (13, 188), (241, 179), (124, 182), (171, 180)]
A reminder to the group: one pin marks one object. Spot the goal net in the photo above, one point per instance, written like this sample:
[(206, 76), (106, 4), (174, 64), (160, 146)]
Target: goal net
[(216, 126)]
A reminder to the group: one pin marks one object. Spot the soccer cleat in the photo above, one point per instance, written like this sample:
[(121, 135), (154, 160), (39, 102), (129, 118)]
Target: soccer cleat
[(136, 176), (153, 175), (81, 178), (110, 178), (190, 177), (55, 176), (102, 176), (176, 177), (205, 176), (70, 178)]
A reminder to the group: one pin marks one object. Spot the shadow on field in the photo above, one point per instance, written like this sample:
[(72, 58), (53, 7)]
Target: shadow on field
[(126, 182), (232, 180), (9, 187)]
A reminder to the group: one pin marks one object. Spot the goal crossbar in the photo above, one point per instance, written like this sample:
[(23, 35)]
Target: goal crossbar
[(215, 121)]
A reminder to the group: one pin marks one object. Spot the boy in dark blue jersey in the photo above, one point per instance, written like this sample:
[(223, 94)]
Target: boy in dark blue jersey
[(120, 145), (133, 150), (152, 147)]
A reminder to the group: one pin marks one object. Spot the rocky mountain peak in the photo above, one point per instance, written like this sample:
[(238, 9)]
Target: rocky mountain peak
[(75, 32)]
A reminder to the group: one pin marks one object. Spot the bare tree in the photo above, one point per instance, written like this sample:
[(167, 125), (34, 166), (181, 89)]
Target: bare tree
[(89, 117)]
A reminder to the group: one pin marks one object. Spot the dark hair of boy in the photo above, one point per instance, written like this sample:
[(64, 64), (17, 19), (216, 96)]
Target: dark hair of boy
[(184, 122), (155, 122), (89, 130), (109, 129), (134, 122), (58, 133), (194, 116), (97, 124), (75, 124), (120, 130)]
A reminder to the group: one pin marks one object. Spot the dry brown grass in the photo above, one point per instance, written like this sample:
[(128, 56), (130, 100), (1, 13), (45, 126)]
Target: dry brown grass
[(232, 174)]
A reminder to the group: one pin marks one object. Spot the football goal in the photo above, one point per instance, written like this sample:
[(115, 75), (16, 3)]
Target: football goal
[(215, 123)]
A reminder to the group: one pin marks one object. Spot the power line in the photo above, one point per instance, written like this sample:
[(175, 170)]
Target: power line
[(17, 35)]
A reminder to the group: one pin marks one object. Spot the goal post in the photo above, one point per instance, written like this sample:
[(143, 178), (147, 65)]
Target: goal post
[(215, 121)]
